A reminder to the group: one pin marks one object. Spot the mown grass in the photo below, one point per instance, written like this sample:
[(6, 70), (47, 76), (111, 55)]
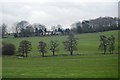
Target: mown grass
[(95, 66), (90, 63)]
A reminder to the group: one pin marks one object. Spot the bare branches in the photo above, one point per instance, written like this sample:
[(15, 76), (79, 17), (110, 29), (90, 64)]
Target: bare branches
[(25, 47)]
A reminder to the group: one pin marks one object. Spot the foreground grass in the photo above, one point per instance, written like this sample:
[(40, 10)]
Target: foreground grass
[(0, 66), (84, 66)]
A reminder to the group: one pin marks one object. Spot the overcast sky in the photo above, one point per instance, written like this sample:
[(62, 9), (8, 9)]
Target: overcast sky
[(53, 12)]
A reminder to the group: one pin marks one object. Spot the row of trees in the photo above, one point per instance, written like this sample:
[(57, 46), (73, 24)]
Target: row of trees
[(25, 29), (70, 45), (25, 46)]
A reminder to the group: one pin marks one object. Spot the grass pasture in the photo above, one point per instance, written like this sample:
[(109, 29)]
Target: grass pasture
[(96, 66), (90, 63)]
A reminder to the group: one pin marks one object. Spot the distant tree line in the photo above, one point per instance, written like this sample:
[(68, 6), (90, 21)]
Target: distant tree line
[(101, 24), (25, 29)]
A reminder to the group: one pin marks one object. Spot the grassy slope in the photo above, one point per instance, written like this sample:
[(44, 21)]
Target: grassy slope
[(87, 43), (81, 66)]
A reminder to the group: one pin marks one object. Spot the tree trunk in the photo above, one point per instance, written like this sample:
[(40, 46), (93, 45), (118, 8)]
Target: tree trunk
[(71, 52), (105, 47), (23, 54), (104, 51), (112, 52), (26, 54), (42, 54), (53, 53)]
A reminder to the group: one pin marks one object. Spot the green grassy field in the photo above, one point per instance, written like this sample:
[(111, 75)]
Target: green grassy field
[(96, 66), (89, 64)]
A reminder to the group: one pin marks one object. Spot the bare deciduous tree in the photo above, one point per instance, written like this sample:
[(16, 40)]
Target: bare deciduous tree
[(111, 44), (54, 46), (71, 43), (25, 47), (103, 43), (42, 47), (4, 30)]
